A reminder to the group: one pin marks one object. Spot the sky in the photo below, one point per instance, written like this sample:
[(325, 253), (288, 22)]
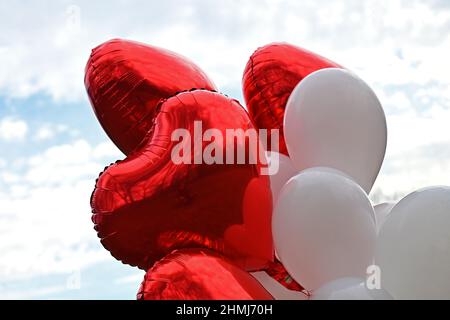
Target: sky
[(52, 147)]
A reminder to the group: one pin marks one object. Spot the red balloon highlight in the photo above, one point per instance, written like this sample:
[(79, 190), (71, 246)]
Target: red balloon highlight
[(277, 271), (146, 206), (270, 76), (199, 274), (125, 81)]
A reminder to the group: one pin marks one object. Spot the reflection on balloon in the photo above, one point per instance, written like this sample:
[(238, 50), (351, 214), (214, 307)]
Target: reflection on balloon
[(146, 206), (125, 81), (413, 246), (199, 274), (333, 119), (270, 75), (323, 228)]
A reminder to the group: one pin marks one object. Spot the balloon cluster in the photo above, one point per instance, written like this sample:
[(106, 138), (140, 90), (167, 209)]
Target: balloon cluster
[(198, 229), (327, 234)]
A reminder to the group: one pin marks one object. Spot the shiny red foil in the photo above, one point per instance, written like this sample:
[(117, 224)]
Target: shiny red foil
[(277, 271), (146, 206), (199, 274), (125, 80), (270, 76)]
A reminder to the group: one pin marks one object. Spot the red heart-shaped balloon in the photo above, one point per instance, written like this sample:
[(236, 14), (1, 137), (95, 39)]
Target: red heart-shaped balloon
[(199, 274), (125, 80), (270, 75), (147, 205)]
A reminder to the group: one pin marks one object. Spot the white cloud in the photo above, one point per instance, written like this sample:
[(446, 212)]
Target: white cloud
[(107, 149), (50, 130), (31, 294), (69, 162), (9, 177), (134, 279), (413, 169), (45, 224), (410, 130), (385, 41), (398, 102), (44, 133), (12, 129)]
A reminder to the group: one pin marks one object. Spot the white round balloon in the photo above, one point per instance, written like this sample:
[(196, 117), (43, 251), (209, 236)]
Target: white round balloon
[(323, 228), (413, 246), (381, 212), (349, 289), (281, 170), (335, 171), (334, 119)]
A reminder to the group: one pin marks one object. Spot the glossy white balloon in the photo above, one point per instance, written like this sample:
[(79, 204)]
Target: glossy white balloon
[(281, 170), (323, 228), (349, 289), (335, 171), (413, 246), (382, 211), (334, 119)]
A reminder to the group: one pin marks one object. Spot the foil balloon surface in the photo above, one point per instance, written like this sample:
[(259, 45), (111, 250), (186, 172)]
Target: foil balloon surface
[(199, 274), (146, 206), (277, 271), (270, 76), (125, 80)]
